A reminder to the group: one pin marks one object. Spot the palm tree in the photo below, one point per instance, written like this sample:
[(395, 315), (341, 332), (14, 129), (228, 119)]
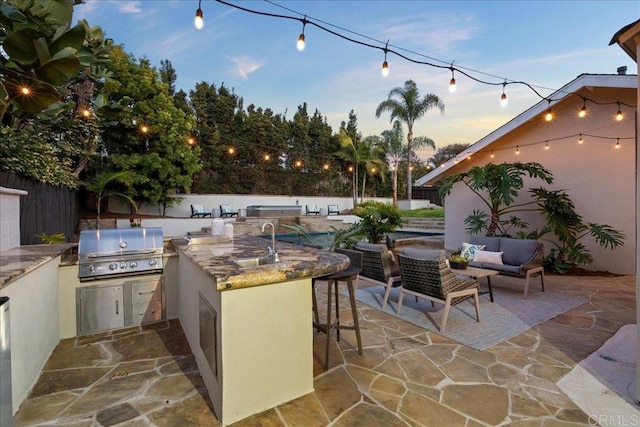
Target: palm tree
[(405, 104), (101, 183), (394, 142), (363, 154), (372, 153)]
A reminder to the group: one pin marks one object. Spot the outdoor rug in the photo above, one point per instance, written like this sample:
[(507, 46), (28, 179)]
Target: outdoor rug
[(509, 315)]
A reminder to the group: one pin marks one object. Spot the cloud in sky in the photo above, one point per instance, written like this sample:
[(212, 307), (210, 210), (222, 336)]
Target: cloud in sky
[(245, 65), (130, 7)]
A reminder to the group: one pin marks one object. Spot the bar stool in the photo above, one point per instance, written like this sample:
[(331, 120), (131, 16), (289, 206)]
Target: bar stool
[(346, 276)]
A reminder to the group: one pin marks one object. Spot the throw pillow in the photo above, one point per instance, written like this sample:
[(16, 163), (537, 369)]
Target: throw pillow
[(469, 250), (489, 257)]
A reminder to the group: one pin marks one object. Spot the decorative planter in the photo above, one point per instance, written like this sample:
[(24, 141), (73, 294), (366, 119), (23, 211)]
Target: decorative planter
[(458, 265)]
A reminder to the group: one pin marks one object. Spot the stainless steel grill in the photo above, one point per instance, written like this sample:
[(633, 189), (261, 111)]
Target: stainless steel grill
[(119, 252)]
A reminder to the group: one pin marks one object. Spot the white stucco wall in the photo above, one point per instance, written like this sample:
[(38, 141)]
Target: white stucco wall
[(10, 217), (598, 178), (236, 201), (34, 324)]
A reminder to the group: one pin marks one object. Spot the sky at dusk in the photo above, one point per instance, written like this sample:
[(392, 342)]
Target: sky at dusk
[(544, 43)]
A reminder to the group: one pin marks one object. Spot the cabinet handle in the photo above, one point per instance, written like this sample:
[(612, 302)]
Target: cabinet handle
[(117, 307), (144, 293)]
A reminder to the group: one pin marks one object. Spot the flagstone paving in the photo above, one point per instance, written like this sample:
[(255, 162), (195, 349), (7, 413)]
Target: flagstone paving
[(407, 376)]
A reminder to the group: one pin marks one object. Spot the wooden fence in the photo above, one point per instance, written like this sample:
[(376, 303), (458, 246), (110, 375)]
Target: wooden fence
[(46, 209), (427, 193)]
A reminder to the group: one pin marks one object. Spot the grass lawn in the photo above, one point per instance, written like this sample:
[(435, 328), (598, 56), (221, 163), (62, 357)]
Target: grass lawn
[(422, 213)]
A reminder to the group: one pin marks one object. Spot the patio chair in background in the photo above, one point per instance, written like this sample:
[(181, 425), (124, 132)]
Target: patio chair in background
[(227, 211), (199, 211), (379, 266), (425, 274), (313, 210), (333, 210)]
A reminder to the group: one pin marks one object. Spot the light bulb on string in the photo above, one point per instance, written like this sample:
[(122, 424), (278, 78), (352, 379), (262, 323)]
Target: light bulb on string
[(618, 144), (492, 155), (546, 145), (619, 115), (385, 65), (452, 82), (583, 111), (580, 141), (517, 149), (549, 115), (301, 38), (503, 99), (199, 20)]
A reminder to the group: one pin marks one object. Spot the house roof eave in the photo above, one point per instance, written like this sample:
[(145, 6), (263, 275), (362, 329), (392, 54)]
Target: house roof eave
[(583, 80), (625, 38)]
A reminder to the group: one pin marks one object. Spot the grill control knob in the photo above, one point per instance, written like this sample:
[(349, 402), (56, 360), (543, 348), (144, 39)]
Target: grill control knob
[(123, 265), (152, 262), (92, 268), (113, 266), (133, 264)]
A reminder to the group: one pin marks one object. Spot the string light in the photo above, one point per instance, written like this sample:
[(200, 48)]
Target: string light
[(266, 157), (580, 141), (298, 163), (397, 51), (25, 90), (549, 115), (86, 112), (231, 150), (583, 111), (546, 145), (618, 143), (385, 65), (198, 22), (492, 155), (325, 166), (452, 82), (619, 115), (517, 149), (503, 98), (144, 128), (191, 141), (301, 39)]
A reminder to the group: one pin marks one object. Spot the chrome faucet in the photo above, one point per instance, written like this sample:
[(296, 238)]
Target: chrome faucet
[(273, 253)]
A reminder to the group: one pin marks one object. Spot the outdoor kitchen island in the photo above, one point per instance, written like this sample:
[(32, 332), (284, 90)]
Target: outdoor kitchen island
[(250, 328)]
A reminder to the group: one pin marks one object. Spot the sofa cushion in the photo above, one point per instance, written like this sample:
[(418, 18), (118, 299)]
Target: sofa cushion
[(424, 254), (517, 251), (488, 257), (468, 250), (490, 243)]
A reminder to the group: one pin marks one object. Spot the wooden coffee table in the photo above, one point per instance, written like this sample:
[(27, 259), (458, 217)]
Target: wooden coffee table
[(476, 273)]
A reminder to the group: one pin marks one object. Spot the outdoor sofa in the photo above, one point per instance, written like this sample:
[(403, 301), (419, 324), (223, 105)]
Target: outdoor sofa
[(509, 256)]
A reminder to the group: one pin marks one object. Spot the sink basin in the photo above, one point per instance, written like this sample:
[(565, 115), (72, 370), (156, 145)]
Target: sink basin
[(252, 261)]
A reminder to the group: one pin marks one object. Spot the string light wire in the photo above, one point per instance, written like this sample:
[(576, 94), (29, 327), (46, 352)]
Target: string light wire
[(388, 48)]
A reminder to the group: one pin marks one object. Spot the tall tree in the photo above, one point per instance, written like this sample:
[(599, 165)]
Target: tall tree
[(406, 105), (393, 140), (151, 136), (445, 153)]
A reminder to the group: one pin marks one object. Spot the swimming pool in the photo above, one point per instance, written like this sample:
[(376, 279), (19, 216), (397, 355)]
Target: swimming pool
[(325, 239)]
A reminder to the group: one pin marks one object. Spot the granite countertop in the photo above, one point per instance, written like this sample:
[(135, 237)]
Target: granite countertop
[(295, 262), (18, 261)]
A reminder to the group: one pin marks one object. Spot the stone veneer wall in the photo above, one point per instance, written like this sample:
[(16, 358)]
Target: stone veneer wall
[(10, 217)]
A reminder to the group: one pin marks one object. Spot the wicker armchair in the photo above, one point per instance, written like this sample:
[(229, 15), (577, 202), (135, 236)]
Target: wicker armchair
[(425, 274), (379, 266)]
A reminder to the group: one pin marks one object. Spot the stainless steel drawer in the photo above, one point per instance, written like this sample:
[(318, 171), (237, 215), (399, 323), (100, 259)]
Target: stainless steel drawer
[(142, 292), (146, 312)]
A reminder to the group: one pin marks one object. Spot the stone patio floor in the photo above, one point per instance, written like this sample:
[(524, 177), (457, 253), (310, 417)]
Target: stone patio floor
[(407, 376)]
